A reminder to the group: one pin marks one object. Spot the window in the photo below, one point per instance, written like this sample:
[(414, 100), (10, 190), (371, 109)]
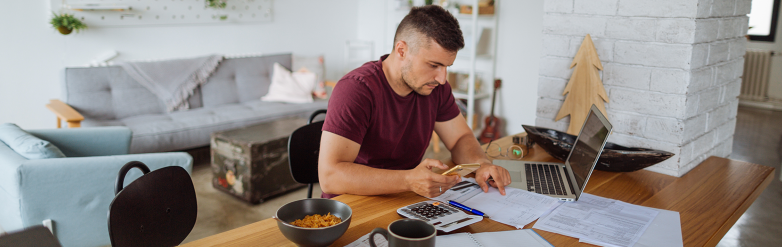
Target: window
[(763, 20)]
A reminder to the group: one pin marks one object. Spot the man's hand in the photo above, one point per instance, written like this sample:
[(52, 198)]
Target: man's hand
[(500, 176), (423, 181)]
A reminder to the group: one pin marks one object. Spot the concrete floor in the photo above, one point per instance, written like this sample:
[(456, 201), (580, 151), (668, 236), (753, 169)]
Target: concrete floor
[(757, 140)]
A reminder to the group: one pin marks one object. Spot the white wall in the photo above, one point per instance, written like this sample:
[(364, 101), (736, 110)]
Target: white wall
[(775, 81), (32, 54), (519, 42), (518, 46)]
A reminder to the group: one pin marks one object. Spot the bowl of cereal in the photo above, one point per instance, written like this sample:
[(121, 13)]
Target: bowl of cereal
[(314, 221)]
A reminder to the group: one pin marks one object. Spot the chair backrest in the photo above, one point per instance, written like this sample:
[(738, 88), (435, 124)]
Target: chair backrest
[(36, 236), (157, 209), (303, 149)]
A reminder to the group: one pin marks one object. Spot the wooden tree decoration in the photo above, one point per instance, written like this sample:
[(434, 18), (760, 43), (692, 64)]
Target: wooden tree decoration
[(584, 88)]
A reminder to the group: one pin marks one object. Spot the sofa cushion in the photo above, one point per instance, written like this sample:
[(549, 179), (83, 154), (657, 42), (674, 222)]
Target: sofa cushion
[(290, 87), (27, 145), (240, 80)]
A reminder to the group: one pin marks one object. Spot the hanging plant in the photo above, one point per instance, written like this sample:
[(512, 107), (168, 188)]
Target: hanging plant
[(218, 4), (66, 23)]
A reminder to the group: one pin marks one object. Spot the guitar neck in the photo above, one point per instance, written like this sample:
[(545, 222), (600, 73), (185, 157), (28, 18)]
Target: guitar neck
[(497, 83)]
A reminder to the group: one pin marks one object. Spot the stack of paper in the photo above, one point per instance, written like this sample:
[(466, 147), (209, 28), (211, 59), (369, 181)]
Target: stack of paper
[(516, 208), (607, 222)]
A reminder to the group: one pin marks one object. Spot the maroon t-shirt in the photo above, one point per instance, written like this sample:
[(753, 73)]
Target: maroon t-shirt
[(393, 131)]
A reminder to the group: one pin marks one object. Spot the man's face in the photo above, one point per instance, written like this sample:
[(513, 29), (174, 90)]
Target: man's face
[(426, 69)]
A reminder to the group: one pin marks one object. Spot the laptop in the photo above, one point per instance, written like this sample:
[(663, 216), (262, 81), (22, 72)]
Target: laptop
[(564, 181)]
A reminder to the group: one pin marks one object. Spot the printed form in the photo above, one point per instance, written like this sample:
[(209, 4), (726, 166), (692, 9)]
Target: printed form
[(599, 220), (516, 208)]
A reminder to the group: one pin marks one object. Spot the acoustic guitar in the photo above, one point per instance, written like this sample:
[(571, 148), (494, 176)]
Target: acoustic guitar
[(491, 130)]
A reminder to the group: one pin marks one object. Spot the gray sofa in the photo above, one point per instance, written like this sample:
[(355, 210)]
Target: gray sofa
[(108, 96)]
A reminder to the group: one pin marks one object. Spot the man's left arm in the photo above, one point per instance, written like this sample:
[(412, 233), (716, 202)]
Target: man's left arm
[(464, 147)]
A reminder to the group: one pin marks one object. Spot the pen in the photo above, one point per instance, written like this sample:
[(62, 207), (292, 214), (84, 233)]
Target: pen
[(468, 209)]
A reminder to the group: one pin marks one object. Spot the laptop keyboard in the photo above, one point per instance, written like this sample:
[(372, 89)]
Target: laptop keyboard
[(544, 179)]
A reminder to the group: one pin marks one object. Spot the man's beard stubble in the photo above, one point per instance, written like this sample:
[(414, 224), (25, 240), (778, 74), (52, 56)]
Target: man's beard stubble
[(419, 90)]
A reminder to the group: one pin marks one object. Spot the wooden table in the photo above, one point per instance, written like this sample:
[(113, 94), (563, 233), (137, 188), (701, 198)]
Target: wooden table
[(710, 198)]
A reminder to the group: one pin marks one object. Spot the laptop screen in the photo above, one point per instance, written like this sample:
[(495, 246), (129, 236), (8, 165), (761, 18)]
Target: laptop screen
[(587, 148)]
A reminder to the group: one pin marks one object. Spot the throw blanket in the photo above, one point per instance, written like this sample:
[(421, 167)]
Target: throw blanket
[(173, 81)]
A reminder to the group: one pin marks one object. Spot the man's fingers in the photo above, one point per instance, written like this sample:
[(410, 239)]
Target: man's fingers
[(433, 163), (482, 182)]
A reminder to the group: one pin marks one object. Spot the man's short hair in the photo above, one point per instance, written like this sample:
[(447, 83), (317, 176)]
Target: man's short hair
[(434, 23)]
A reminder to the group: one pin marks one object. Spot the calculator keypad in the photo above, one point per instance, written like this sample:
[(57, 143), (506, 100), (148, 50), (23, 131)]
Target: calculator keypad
[(442, 215)]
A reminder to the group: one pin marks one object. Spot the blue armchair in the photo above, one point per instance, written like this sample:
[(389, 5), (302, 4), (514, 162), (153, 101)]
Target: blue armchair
[(73, 192)]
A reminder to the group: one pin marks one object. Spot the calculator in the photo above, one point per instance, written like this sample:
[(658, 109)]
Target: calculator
[(444, 217)]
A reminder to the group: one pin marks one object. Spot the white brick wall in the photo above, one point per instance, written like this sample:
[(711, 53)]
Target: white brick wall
[(645, 102), (631, 28), (574, 25), (595, 7), (676, 30), (628, 123), (664, 129), (718, 52), (653, 54), (551, 88), (723, 8), (672, 71), (706, 30), (658, 8), (637, 77), (669, 81)]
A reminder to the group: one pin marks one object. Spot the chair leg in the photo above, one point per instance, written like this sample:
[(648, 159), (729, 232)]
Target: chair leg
[(309, 191)]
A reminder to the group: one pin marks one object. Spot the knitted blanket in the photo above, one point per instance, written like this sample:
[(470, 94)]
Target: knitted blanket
[(173, 81)]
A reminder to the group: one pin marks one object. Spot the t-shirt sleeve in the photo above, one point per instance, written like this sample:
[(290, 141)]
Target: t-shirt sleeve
[(447, 109), (349, 110)]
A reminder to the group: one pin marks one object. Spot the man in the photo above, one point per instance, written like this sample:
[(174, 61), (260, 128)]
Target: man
[(381, 116)]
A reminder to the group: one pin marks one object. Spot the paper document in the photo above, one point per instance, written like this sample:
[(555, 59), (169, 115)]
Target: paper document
[(598, 220), (665, 230), (516, 208), (363, 241), (526, 237)]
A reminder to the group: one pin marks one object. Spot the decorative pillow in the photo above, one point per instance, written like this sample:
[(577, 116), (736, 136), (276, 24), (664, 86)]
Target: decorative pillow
[(314, 65), (27, 145), (290, 87)]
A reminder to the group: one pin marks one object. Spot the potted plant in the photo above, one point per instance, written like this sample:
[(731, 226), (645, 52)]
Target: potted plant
[(218, 5), (66, 23)]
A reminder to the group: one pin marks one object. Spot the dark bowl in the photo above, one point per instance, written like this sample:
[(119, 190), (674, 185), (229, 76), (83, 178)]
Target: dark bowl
[(323, 236), (615, 158)]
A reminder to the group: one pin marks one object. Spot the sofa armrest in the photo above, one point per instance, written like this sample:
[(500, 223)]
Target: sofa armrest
[(65, 112), (76, 192), (85, 142)]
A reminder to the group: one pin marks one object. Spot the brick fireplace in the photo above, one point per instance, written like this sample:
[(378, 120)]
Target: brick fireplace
[(672, 71)]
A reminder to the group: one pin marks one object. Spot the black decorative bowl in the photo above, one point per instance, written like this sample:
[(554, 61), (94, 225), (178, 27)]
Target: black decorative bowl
[(615, 158), (323, 236)]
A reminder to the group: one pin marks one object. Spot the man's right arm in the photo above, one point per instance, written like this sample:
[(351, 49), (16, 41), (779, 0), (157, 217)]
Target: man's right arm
[(339, 175)]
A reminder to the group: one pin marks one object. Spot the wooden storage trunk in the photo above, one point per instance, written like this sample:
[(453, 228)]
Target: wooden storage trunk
[(252, 162)]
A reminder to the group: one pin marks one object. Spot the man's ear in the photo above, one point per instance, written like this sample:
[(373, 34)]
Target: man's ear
[(401, 49)]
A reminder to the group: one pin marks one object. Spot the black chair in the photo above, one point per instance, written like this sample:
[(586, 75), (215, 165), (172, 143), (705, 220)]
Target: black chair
[(303, 149), (157, 209)]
